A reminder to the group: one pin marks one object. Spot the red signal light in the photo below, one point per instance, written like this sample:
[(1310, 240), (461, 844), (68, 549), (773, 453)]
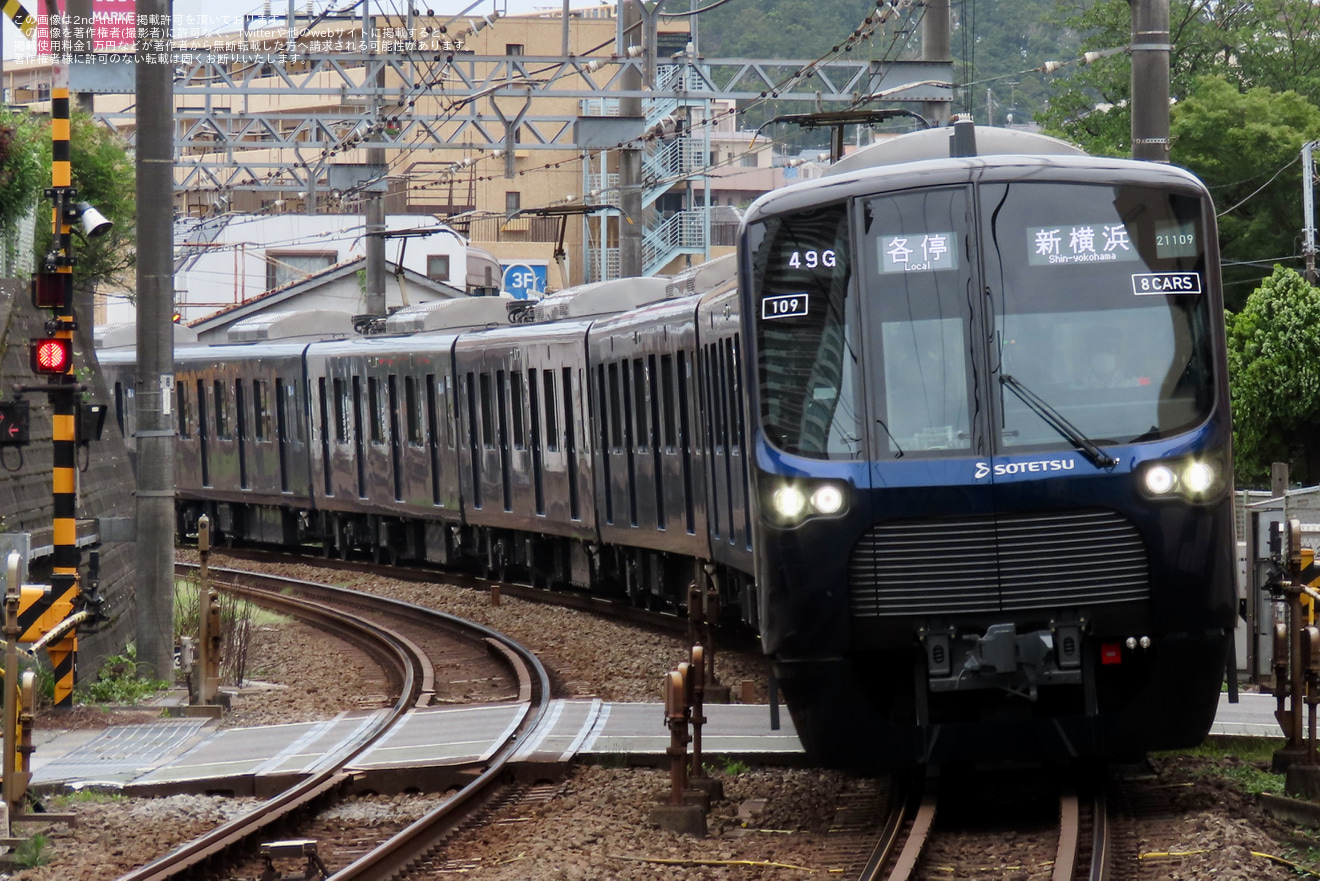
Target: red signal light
[(51, 356)]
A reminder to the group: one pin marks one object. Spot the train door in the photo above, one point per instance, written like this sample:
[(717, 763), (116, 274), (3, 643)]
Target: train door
[(571, 412)]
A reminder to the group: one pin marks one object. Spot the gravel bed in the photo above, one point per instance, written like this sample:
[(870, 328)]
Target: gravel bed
[(775, 824)]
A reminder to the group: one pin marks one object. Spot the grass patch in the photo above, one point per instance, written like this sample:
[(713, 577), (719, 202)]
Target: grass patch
[(85, 796), (33, 852), (1243, 749), (118, 682), (732, 767)]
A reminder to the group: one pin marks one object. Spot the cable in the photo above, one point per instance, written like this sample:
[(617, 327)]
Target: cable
[(1290, 163)]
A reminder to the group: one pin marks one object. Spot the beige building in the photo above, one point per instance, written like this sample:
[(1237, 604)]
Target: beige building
[(454, 165)]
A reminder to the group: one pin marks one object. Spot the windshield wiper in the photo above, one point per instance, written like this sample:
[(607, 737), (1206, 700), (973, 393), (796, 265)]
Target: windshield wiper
[(1055, 420)]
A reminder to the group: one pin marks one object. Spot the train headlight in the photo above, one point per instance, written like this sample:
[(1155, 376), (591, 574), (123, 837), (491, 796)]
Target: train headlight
[(828, 499), (1159, 479), (1192, 479), (790, 503), (1198, 477)]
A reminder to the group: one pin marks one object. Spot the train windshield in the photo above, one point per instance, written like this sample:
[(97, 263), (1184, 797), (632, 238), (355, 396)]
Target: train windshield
[(1099, 308), (1090, 296), (808, 353)]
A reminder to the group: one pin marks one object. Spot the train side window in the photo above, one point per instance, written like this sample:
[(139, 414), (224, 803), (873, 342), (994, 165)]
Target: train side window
[(240, 409), (221, 412), (616, 410), (286, 402), (119, 407), (667, 401), (639, 403), (260, 410), (181, 396), (735, 389), (487, 412), (377, 424), (341, 412), (500, 403), (551, 412), (413, 409), (534, 409), (519, 402), (201, 409)]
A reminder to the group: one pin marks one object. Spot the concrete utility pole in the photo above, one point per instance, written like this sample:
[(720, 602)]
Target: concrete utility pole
[(1150, 80), (375, 195), (630, 157), (936, 30), (155, 340), (1308, 208)]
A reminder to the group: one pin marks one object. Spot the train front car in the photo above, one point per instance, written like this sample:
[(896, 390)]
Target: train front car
[(991, 453)]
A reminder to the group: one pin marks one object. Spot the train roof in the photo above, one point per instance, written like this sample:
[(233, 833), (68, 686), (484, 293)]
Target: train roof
[(464, 312), (946, 171), (937, 143)]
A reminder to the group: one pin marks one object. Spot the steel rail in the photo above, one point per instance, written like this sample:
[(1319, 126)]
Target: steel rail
[(236, 832), (1101, 853), (896, 820), (413, 672), (909, 859), (406, 847), (1065, 862)]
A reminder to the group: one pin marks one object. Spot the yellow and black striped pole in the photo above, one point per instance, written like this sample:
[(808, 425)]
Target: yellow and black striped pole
[(24, 20), (67, 557)]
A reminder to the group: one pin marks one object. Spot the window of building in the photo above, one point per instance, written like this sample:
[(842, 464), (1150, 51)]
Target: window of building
[(514, 49), (283, 267), (512, 202), (437, 267)]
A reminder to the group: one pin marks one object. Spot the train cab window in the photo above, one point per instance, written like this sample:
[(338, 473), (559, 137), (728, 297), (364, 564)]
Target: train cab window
[(551, 413), (519, 403), (1100, 309), (807, 329), (222, 430), (412, 411), (342, 417), (917, 261)]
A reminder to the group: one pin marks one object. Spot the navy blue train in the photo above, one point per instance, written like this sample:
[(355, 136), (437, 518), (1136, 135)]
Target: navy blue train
[(954, 439)]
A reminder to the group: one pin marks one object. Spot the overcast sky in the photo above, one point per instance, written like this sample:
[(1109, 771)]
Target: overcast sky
[(222, 16)]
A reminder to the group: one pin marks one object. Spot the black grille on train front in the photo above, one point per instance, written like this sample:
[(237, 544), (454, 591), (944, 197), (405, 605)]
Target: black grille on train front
[(995, 564)]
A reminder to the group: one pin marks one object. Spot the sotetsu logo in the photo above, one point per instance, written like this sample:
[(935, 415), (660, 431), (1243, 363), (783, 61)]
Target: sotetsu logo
[(1005, 469)]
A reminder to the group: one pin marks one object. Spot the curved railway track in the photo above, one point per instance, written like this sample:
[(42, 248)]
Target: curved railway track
[(357, 618)]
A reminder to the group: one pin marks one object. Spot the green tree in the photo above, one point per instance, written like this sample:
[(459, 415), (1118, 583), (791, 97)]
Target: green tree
[(1274, 369), (1245, 146), (1273, 44), (103, 175), (22, 172)]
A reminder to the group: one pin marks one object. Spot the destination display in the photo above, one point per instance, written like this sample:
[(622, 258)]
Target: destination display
[(919, 252), (1079, 243)]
